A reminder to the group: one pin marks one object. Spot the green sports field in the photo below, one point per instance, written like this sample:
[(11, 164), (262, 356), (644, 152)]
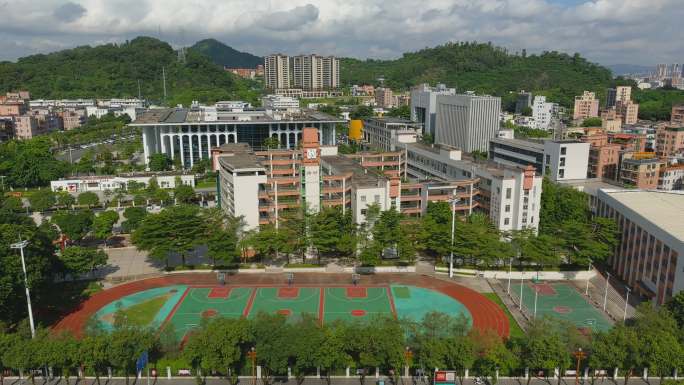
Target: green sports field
[(562, 301), (183, 307)]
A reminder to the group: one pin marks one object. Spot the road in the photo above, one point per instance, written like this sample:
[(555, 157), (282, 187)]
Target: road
[(315, 381)]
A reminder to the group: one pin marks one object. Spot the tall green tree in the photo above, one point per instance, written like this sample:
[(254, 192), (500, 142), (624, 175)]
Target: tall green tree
[(183, 193), (103, 224), (81, 260), (619, 347), (134, 216), (126, 344), (88, 198), (160, 162), (176, 229), (74, 225), (42, 200), (221, 236), (93, 353)]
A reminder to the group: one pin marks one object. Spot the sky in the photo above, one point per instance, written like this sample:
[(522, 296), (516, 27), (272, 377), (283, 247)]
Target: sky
[(642, 32)]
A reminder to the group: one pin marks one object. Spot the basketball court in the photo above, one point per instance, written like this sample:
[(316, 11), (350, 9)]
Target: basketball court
[(562, 301)]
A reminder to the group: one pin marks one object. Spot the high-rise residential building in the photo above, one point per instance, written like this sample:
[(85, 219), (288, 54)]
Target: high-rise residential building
[(424, 105), (611, 96), (277, 73), (384, 97), (677, 116), (661, 71), (331, 72), (523, 102), (629, 111), (623, 94), (586, 106), (650, 253), (543, 112), (669, 141), (467, 121)]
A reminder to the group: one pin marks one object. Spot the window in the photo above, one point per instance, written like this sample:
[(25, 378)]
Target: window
[(561, 174), (564, 150), (377, 199), (548, 158), (508, 208), (508, 193), (562, 162), (363, 198), (506, 221), (363, 211)]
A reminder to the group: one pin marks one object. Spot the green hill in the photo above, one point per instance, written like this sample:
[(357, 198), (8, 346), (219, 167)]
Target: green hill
[(114, 70), (484, 68), (224, 55)]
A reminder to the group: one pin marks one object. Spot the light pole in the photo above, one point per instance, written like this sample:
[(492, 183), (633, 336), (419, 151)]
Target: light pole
[(252, 354), (510, 271), (522, 276), (536, 295), (20, 245), (624, 315), (453, 201), (586, 292), (580, 355), (605, 295)]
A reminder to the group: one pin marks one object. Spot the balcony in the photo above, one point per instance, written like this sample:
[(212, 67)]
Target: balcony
[(411, 210), (410, 198)]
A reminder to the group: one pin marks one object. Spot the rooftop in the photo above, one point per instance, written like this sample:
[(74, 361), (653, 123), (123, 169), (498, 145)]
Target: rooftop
[(344, 165), (185, 115), (664, 209), (526, 144), (239, 156)]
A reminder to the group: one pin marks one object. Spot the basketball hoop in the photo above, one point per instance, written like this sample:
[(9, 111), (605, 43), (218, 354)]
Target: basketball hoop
[(290, 279), (355, 279), (221, 278)]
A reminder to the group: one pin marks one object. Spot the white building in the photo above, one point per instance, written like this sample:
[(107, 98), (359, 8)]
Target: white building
[(513, 195), (424, 105), (543, 112), (387, 132), (241, 176), (185, 134), (279, 102), (467, 121), (277, 73), (111, 183), (232, 105), (566, 159)]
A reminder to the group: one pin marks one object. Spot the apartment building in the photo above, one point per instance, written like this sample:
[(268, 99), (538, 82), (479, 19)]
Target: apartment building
[(523, 102), (629, 111), (29, 126), (6, 129), (517, 153), (677, 116), (650, 253), (467, 121), (611, 120), (543, 112), (611, 97), (669, 141), (623, 94), (424, 105), (384, 97), (671, 177), (72, 119), (566, 159), (277, 73), (511, 196), (604, 157), (586, 106), (387, 133), (640, 170)]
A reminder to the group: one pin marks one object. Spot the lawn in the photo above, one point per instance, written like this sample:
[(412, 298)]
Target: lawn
[(206, 183), (516, 331), (143, 314)]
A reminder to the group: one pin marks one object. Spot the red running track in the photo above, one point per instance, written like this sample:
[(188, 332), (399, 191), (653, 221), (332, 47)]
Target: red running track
[(486, 314)]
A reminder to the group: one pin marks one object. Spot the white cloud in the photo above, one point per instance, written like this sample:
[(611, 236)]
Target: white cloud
[(607, 31)]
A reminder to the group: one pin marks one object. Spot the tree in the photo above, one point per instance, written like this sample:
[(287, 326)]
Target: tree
[(159, 162), (271, 335), (126, 344), (42, 200), (88, 198), (361, 112), (619, 347), (65, 199), (175, 229), (332, 354), (676, 307), (221, 236), (526, 111), (307, 339), (543, 348), (271, 142), (81, 260), (133, 215), (660, 349), (592, 122), (183, 193), (24, 354), (104, 223), (74, 225), (94, 353), (492, 355), (62, 353), (403, 112), (7, 341)]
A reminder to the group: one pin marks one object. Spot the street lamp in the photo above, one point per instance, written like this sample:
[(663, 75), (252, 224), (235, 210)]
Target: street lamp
[(252, 354), (408, 354), (586, 292), (536, 295), (605, 295), (21, 245), (510, 271), (624, 315), (453, 202)]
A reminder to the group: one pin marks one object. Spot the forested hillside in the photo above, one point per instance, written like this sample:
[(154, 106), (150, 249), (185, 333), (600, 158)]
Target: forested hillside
[(484, 68), (114, 70), (224, 55)]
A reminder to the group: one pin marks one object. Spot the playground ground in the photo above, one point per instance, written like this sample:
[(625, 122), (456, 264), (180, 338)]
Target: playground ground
[(181, 301)]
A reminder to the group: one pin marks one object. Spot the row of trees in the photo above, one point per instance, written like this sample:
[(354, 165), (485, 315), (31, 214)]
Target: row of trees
[(652, 340)]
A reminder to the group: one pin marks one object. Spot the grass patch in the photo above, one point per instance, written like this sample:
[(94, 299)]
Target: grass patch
[(142, 314), (516, 331), (206, 183)]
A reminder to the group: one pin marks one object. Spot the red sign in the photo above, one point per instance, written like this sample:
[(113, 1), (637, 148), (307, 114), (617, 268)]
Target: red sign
[(440, 376)]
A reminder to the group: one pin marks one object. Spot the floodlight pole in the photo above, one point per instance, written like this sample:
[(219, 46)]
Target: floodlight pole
[(21, 245), (605, 294), (624, 315), (510, 271), (522, 276), (536, 294), (586, 292), (453, 230)]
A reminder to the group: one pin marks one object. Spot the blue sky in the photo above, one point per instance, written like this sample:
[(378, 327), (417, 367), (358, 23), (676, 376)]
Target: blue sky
[(605, 31)]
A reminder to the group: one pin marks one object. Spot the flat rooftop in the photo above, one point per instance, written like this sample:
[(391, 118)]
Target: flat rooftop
[(239, 156), (186, 115), (664, 209), (342, 165), (520, 143)]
